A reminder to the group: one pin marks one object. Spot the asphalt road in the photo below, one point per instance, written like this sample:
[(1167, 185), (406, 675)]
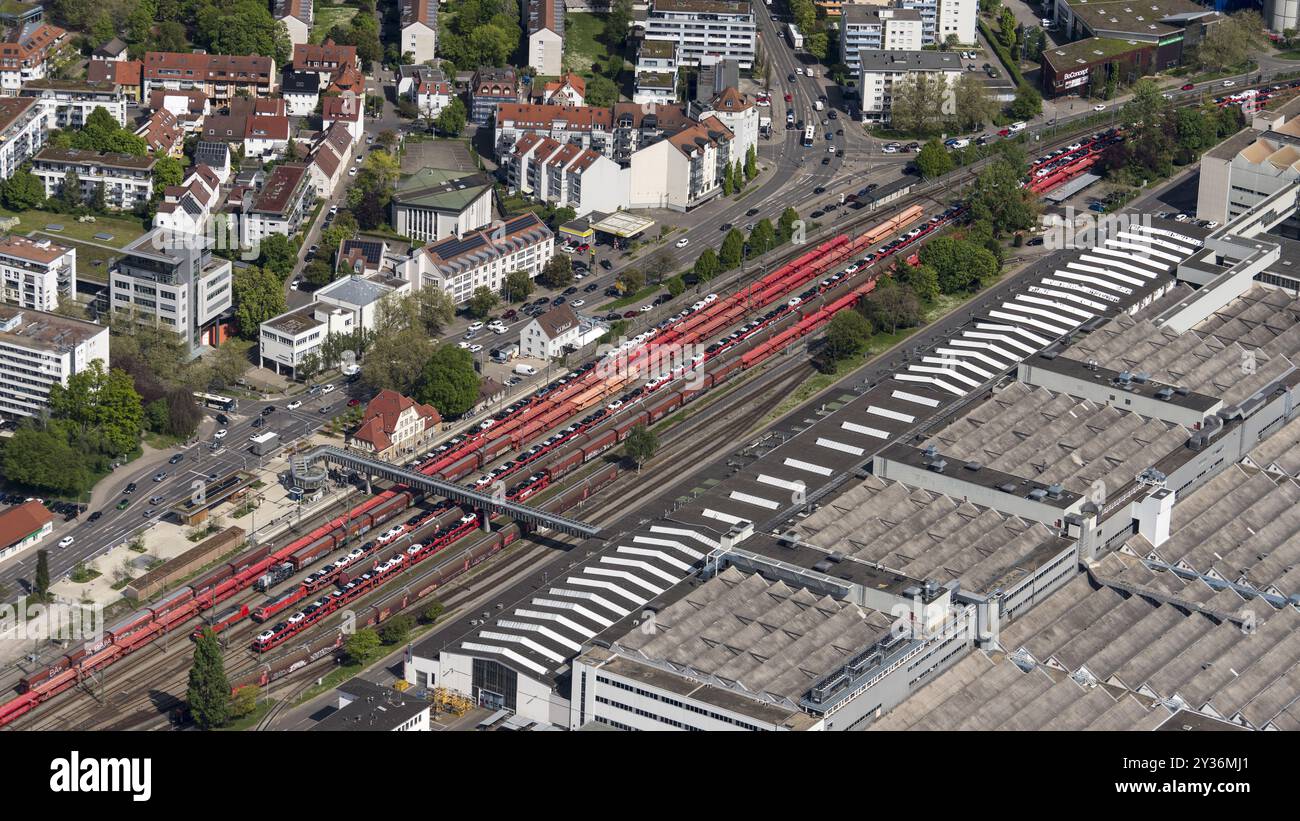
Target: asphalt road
[(198, 465)]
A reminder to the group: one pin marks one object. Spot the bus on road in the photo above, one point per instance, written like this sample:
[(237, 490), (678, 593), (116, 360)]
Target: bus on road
[(216, 401), (808, 137)]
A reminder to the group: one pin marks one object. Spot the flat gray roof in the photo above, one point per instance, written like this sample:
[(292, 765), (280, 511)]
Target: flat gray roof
[(873, 59)]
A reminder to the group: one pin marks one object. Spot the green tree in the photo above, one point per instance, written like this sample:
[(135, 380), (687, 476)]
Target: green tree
[(1007, 28), (891, 307), (975, 104), (919, 101), (558, 272), (244, 701), (361, 646), (432, 612), (998, 199), (676, 286), (618, 21), (167, 171), (728, 181), (396, 629), (922, 280), (42, 582), (640, 445), (933, 160), (23, 191), (632, 280), (278, 255), (1027, 104), (961, 265), (601, 92), (209, 690), (786, 224), (659, 265), (481, 302), (70, 192), (751, 163), (733, 248), (449, 382), (846, 334), (43, 458), (103, 404), (763, 238), (450, 121), (318, 273), (706, 265), (518, 286), (258, 296)]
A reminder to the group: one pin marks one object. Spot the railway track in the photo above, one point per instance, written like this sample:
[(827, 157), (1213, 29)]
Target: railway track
[(141, 691)]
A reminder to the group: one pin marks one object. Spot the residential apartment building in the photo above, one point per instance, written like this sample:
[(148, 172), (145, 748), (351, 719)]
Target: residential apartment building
[(173, 281), (876, 28), (489, 88), (348, 110), (280, 206), (436, 203), (220, 76), (38, 349), (544, 28), (656, 73), (682, 170), (420, 29), (36, 273), (879, 70), (346, 305), (639, 126), (943, 18), (125, 75), (568, 90), (427, 87), (187, 208), (22, 132), (163, 134), (25, 54), (566, 175), (326, 59), (328, 162), (546, 336), (740, 116), (724, 28), (297, 18), (67, 103), (458, 265), (584, 125), (301, 92), (127, 180), (190, 107)]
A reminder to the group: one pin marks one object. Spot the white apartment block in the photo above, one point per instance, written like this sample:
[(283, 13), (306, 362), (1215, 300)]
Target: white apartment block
[(36, 273), (38, 349), (566, 175), (24, 57), (876, 28), (724, 28), (544, 24), (740, 116), (546, 336), (297, 18), (22, 133), (459, 265), (681, 171), (656, 72), (941, 18), (175, 282), (280, 207), (587, 126), (880, 70), (127, 180), (425, 86), (420, 29), (68, 104)]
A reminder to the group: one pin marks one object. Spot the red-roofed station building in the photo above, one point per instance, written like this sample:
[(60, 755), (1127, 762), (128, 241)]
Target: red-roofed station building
[(394, 425)]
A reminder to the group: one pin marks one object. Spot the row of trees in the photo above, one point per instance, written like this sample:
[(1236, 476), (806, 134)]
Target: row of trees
[(1161, 135)]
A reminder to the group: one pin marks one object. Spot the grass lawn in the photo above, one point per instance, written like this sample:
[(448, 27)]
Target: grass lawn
[(125, 229), (86, 256), (584, 43), (328, 16)]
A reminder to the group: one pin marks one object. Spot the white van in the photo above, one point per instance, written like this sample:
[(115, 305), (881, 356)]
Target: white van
[(818, 105), (525, 370), (1015, 128)]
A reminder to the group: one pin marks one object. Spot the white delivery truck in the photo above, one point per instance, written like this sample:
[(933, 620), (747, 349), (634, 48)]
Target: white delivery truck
[(818, 105), (525, 370)]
